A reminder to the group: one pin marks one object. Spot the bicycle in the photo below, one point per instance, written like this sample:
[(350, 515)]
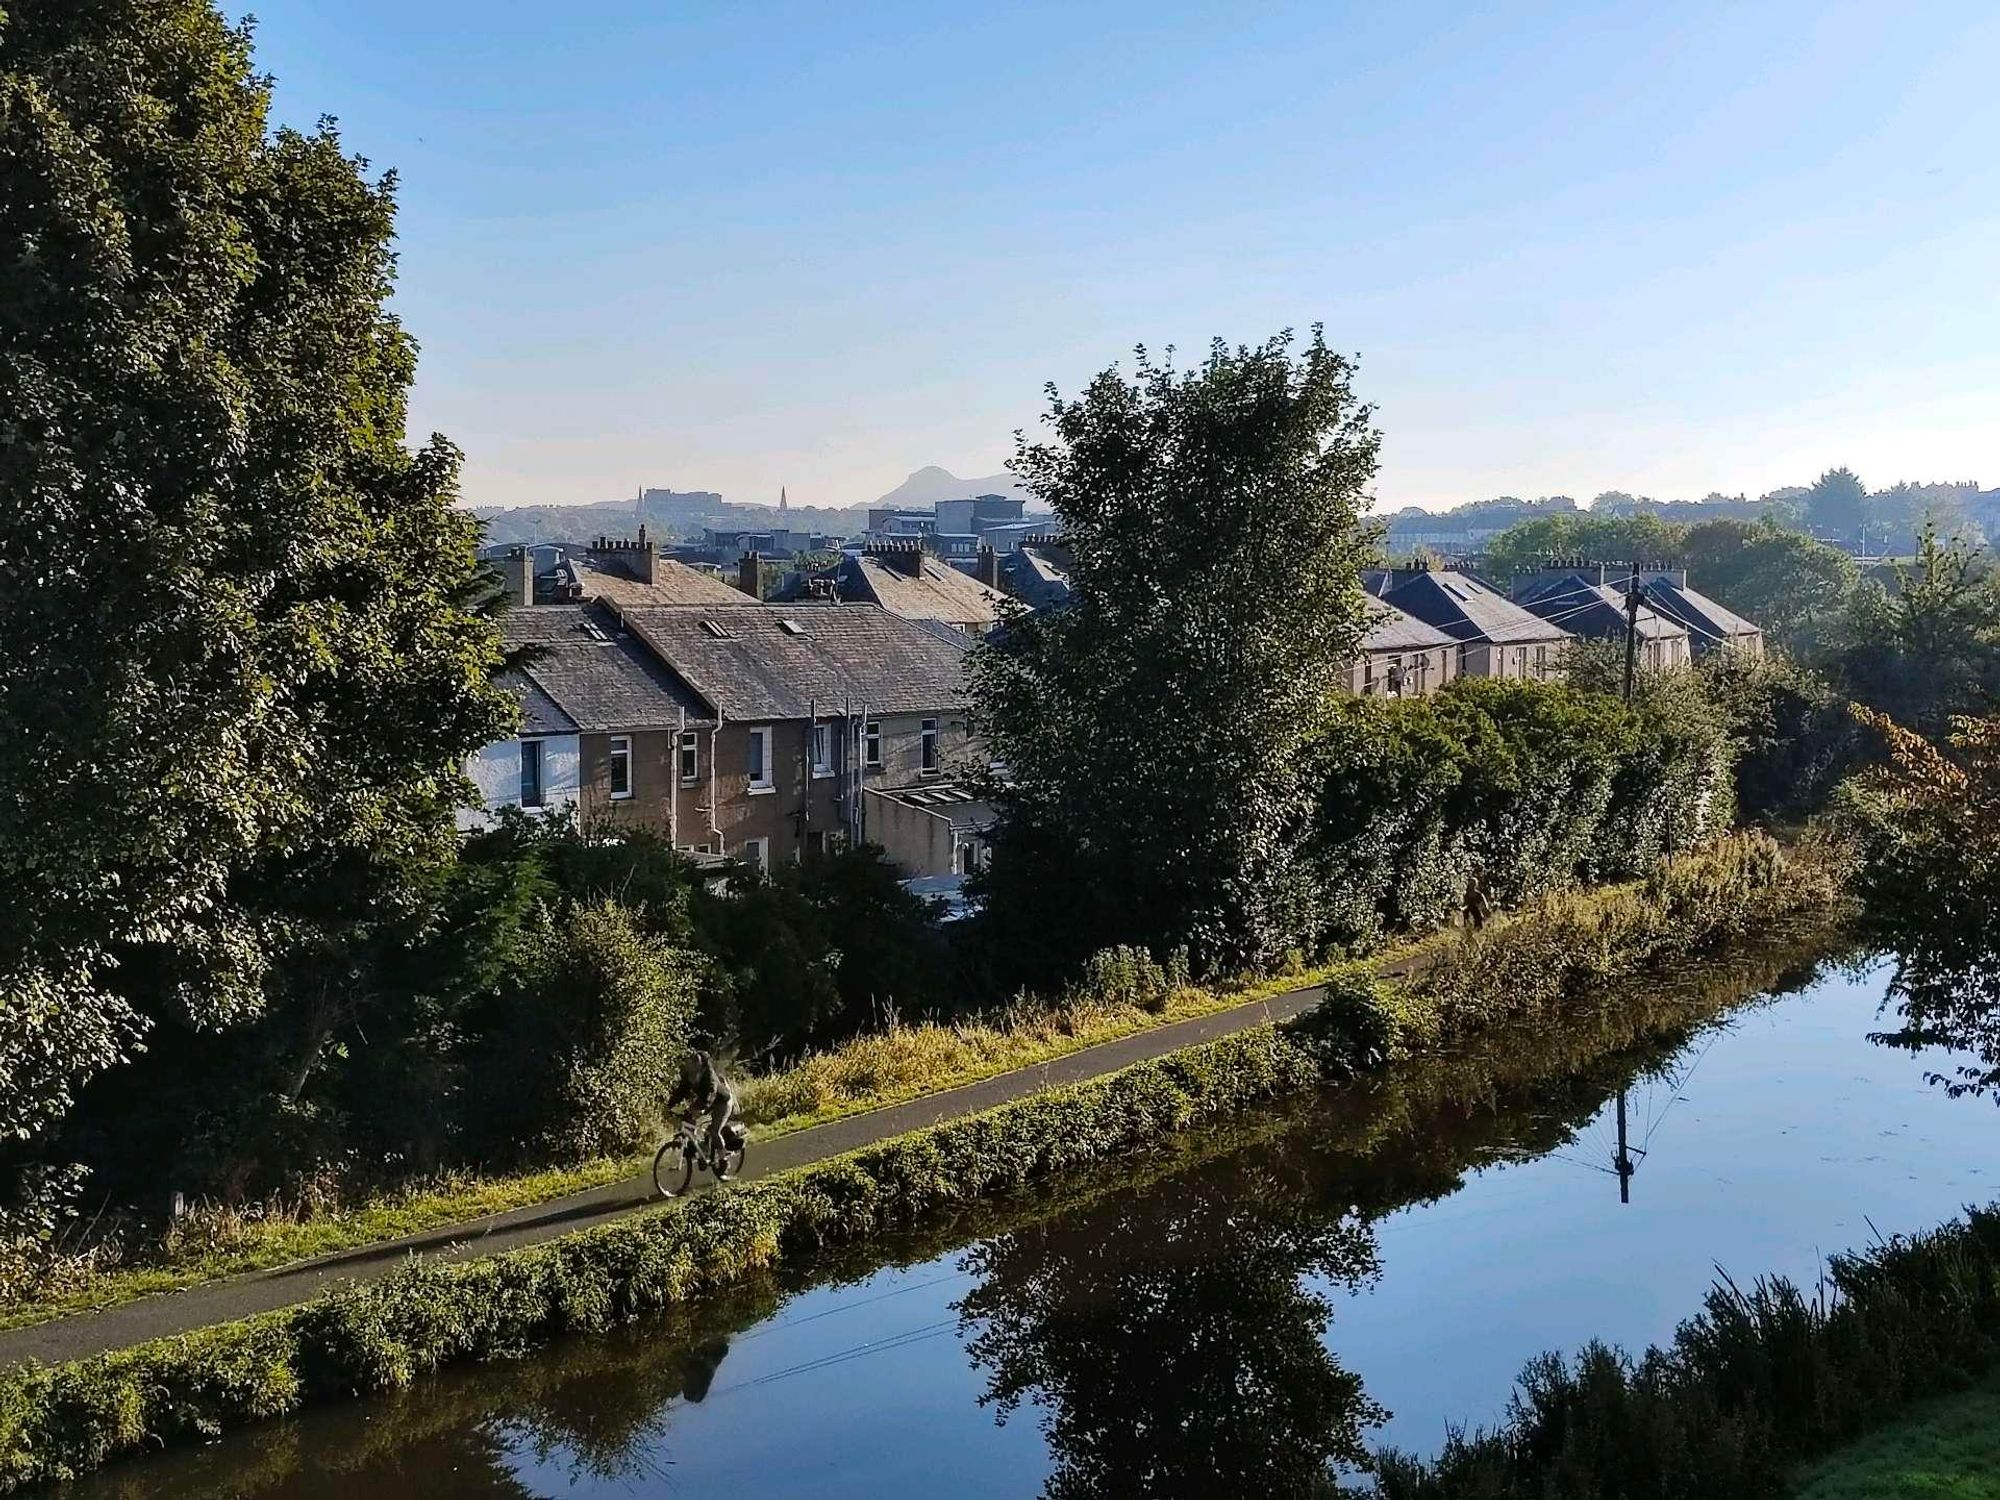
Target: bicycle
[(685, 1152)]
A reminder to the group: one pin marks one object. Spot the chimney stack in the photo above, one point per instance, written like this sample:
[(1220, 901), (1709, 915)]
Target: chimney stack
[(747, 575), (989, 566), (521, 576)]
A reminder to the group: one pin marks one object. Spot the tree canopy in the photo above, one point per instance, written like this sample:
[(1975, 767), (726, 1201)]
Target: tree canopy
[(240, 662), (1150, 730)]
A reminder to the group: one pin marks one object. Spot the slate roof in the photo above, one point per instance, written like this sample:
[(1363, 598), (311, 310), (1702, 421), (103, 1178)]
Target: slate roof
[(940, 592), (674, 583), (764, 662), (595, 675), (540, 714), (1592, 609), (1467, 608), (1393, 630), (1711, 624), (1035, 577)]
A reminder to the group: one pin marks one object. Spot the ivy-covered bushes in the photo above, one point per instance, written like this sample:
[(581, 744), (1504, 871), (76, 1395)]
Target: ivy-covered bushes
[(1761, 1380), (575, 1047), (1525, 786), (55, 1423)]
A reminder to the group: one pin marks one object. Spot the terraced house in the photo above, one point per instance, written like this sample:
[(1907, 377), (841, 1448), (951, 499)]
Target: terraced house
[(733, 728)]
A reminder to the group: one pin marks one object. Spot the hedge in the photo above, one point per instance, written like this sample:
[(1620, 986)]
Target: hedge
[(62, 1421)]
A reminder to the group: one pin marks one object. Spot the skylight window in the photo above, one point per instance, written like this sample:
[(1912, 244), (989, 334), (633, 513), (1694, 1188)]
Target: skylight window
[(714, 628), (791, 627)]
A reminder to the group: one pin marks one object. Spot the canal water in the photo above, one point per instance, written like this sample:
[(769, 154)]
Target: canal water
[(1241, 1312)]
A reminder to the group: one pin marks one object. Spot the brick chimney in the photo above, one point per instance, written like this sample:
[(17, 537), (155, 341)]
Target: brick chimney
[(520, 573), (747, 575), (906, 557), (989, 566)]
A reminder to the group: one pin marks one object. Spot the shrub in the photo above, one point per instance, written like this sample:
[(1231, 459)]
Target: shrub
[(576, 1059)]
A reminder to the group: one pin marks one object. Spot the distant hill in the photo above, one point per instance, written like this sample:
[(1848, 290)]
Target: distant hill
[(931, 484)]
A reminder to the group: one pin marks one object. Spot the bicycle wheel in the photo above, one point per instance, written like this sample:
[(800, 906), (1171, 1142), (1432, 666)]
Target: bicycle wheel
[(673, 1168)]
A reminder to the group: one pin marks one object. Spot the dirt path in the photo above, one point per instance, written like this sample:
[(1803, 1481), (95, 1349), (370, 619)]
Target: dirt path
[(240, 1296)]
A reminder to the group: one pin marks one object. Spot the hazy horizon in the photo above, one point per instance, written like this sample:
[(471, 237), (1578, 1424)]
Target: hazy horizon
[(1668, 252)]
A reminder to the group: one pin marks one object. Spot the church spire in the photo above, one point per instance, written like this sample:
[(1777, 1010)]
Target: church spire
[(784, 504)]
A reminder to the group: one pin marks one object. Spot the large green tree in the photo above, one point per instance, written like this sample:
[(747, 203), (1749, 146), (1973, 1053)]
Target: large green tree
[(1793, 586), (1927, 646), (239, 666), (1151, 731), (1836, 506), (1641, 537)]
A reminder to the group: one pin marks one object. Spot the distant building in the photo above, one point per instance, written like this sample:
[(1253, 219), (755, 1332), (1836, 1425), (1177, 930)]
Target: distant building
[(935, 830), (1035, 571), (1401, 656), (1495, 636), (903, 578), (1574, 595), (974, 517)]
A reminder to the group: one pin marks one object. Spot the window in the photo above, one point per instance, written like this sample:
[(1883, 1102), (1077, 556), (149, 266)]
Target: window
[(1367, 675), (1464, 657), (531, 773), (621, 767), (1541, 661), (964, 858), (1520, 661), (756, 853), (929, 743), (815, 841), (822, 747), (871, 743), (759, 764), (690, 755)]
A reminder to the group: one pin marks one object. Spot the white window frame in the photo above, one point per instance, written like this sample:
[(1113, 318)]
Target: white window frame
[(822, 749), (930, 748), (688, 757), (621, 754), (756, 853), (763, 780), (871, 744), (532, 754)]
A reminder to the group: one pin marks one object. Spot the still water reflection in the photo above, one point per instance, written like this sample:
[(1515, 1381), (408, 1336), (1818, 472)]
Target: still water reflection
[(1245, 1312)]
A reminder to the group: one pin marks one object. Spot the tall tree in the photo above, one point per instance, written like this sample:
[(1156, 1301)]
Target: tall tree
[(1151, 730), (1609, 537), (1928, 647), (1837, 505), (1793, 586), (239, 666)]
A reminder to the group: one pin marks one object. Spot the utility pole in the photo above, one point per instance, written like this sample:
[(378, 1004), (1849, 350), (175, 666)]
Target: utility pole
[(1623, 1163), (1631, 631)]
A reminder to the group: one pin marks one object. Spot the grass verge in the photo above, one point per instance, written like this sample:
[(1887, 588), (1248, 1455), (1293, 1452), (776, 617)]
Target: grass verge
[(1943, 1450), (57, 1422)]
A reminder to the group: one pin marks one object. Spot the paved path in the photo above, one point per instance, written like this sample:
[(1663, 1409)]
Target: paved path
[(260, 1291)]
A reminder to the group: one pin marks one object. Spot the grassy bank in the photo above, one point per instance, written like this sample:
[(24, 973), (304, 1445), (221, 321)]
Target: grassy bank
[(1764, 1379), (62, 1421), (1947, 1449)]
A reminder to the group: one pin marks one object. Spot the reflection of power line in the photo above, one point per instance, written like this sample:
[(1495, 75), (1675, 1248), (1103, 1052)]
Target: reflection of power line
[(844, 1356), (840, 1307)]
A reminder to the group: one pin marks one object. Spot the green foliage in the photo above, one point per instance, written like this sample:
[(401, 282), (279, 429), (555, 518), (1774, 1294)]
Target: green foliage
[(1149, 729), (240, 664), (1532, 785), (1794, 736), (1794, 587), (1604, 537), (1763, 1378), (1928, 826), (819, 950), (1929, 647), (1836, 506), (585, 1041), (1132, 976)]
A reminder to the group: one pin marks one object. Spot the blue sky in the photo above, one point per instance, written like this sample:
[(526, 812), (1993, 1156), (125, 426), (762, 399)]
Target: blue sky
[(1665, 248)]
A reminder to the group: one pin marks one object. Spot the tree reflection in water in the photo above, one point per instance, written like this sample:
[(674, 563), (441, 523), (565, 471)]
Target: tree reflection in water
[(1171, 1338)]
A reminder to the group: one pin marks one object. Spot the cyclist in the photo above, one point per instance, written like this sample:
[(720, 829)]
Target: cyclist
[(704, 1090)]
